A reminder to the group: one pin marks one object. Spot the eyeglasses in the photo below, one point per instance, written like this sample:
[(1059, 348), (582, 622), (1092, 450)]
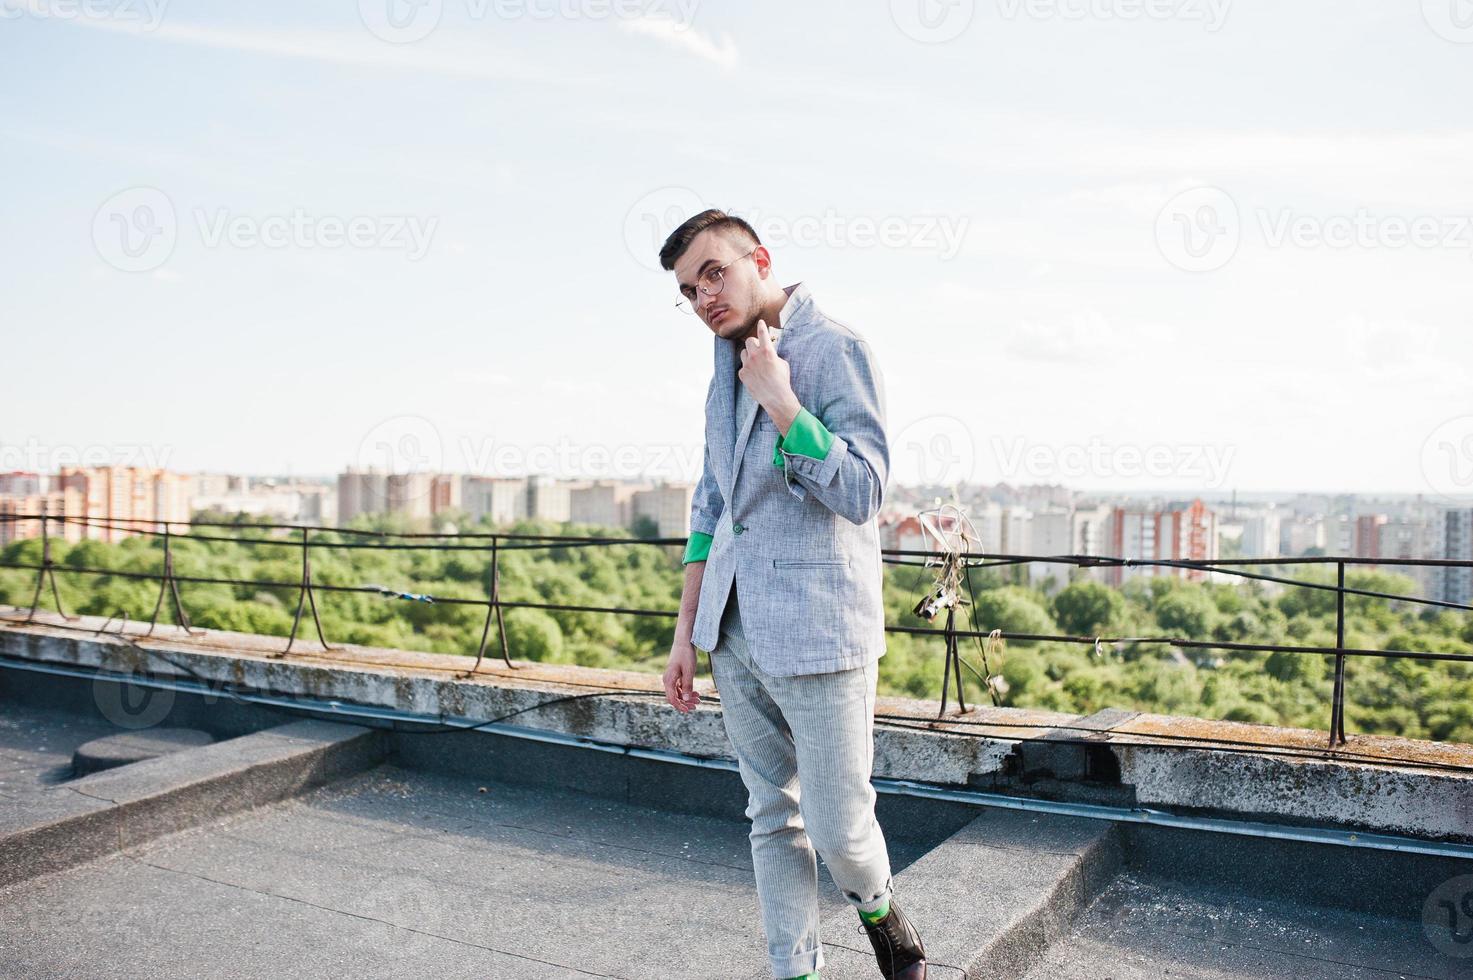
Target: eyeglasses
[(710, 282)]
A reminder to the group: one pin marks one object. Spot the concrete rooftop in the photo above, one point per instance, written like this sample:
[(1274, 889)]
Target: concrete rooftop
[(294, 847)]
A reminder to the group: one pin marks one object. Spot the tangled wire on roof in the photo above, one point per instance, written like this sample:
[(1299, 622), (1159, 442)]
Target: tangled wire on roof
[(954, 534)]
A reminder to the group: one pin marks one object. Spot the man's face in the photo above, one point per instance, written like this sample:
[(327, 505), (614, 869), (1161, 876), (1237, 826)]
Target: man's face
[(737, 307)]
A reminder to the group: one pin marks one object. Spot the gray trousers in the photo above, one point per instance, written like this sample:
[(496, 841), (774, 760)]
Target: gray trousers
[(805, 747)]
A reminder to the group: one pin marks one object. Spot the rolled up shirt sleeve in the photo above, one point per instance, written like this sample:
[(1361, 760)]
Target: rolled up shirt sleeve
[(697, 548), (840, 454)]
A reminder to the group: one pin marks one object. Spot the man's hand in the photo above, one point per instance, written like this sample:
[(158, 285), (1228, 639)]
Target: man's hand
[(680, 677), (767, 379)]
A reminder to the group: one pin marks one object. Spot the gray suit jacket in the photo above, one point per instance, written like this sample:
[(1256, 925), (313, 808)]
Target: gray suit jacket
[(800, 544)]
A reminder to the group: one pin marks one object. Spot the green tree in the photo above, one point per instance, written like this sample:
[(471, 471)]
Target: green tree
[(1086, 607)]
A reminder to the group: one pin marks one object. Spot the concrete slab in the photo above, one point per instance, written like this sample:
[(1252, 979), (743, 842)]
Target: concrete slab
[(1145, 928), (444, 876), (36, 745), (991, 897), (79, 820), (111, 751)]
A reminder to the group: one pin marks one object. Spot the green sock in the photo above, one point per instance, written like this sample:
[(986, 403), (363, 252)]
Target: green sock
[(877, 914), (807, 976)]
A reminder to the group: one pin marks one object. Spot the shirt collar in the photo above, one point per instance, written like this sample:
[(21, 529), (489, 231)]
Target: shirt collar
[(798, 299), (797, 310)]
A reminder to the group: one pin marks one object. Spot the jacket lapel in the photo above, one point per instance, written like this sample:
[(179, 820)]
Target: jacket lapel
[(728, 359)]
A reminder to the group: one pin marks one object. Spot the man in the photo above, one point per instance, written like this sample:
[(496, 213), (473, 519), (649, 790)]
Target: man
[(783, 587)]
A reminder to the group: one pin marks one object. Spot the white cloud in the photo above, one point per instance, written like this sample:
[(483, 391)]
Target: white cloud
[(670, 31)]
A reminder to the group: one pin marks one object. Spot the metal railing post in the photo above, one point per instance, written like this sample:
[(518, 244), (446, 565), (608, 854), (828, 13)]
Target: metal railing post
[(47, 571), (305, 596), (493, 608), (170, 584), (1337, 709)]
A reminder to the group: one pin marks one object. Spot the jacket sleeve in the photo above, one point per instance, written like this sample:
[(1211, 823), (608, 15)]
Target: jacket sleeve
[(705, 510), (839, 452)]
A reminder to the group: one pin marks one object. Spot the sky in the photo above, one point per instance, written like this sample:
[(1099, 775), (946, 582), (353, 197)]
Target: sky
[(1115, 244)]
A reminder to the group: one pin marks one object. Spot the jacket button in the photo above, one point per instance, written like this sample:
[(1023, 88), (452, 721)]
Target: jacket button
[(737, 529)]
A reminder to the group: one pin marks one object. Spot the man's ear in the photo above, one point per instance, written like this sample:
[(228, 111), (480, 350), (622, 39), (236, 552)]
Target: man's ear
[(762, 259)]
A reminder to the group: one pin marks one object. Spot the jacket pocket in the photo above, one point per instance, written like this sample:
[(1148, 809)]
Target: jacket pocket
[(810, 563)]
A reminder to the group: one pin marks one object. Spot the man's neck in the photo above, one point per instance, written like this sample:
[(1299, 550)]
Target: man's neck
[(771, 312)]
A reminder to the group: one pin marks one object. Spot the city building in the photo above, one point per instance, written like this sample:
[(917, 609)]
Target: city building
[(59, 503), (502, 500), (548, 499), (607, 503), (361, 492), (120, 501), (668, 505), (19, 483)]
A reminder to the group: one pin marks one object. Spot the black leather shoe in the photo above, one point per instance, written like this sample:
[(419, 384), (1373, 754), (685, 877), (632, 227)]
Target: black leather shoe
[(897, 946)]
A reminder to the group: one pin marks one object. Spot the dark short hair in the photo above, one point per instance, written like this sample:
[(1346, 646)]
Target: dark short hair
[(680, 238)]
